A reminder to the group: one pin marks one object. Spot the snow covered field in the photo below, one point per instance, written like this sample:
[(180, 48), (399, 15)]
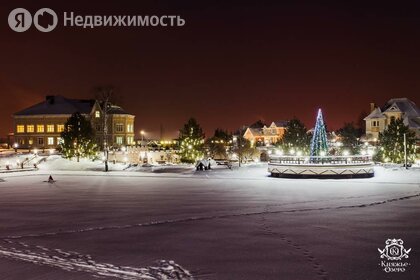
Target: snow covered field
[(157, 222)]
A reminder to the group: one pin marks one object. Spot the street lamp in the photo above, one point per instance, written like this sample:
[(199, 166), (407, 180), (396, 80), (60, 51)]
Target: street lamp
[(16, 146), (142, 133), (142, 136)]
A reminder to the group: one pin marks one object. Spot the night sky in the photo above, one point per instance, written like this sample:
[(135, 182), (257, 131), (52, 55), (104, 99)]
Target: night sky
[(230, 65)]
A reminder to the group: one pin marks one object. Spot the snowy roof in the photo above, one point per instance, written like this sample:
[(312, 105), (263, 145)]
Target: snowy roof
[(280, 123), (405, 105), (56, 105), (117, 110), (393, 108), (255, 131), (412, 122), (376, 114)]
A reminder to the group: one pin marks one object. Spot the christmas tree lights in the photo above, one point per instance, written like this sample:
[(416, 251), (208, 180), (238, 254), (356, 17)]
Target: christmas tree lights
[(319, 146)]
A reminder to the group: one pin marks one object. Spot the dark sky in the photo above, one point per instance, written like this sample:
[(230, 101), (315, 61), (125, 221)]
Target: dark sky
[(232, 63)]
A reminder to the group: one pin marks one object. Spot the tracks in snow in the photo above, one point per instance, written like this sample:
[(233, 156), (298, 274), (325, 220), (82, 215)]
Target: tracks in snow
[(212, 217), (299, 249), (74, 261)]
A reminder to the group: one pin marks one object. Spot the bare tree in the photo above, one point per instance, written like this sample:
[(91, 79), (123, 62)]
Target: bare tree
[(104, 96)]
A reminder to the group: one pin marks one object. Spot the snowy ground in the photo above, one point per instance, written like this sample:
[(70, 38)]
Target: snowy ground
[(220, 224)]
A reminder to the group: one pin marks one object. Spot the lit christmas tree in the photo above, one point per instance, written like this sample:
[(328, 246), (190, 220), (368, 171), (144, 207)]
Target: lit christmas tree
[(191, 141), (78, 138), (319, 146)]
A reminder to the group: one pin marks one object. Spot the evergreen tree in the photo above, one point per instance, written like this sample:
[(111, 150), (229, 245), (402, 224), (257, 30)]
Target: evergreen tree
[(191, 141), (295, 137), (78, 138), (349, 134), (391, 142), (319, 144)]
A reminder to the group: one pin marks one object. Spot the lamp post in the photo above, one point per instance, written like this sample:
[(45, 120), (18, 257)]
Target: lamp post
[(405, 151), (142, 133), (142, 137)]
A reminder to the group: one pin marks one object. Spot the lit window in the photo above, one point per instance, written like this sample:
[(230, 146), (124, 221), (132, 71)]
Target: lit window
[(30, 128), (97, 114), (119, 140), (30, 141), (20, 128), (59, 140), (50, 140), (130, 140), (119, 127), (50, 128), (374, 123), (60, 127), (40, 128), (130, 128)]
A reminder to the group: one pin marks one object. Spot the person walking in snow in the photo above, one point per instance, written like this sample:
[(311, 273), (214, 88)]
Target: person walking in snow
[(51, 180)]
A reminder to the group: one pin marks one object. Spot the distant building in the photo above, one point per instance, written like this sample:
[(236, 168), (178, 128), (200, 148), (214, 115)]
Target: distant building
[(40, 125), (265, 135), (379, 118)]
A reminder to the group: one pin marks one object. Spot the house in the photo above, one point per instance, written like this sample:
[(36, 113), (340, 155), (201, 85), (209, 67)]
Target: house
[(39, 126), (379, 118), (265, 135)]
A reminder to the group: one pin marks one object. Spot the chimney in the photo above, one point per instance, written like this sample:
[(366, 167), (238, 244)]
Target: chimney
[(372, 107), (50, 99)]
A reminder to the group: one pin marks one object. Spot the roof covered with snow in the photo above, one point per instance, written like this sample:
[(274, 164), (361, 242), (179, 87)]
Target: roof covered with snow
[(407, 106), (255, 131), (376, 114), (56, 105), (114, 109), (280, 123)]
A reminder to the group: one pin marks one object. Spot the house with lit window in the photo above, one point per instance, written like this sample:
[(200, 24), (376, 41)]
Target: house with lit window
[(39, 126), (397, 108), (265, 135)]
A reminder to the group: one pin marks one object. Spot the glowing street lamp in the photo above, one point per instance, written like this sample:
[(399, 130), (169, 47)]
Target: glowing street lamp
[(142, 134)]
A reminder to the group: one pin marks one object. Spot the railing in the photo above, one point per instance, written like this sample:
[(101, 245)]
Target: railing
[(334, 160)]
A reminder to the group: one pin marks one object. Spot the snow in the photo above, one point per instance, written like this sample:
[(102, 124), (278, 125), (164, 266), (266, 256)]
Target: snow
[(56, 162), (216, 224)]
